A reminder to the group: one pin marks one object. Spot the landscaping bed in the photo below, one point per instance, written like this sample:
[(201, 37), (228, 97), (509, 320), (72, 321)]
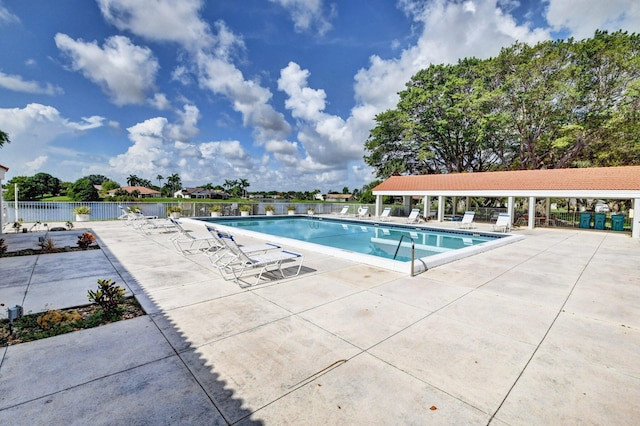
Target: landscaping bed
[(61, 321)]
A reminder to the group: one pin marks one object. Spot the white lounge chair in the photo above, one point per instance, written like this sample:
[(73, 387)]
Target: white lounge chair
[(363, 212), (186, 242), (344, 211), (385, 215), (467, 221), (251, 263), (503, 223), (414, 216), (222, 256), (148, 224)]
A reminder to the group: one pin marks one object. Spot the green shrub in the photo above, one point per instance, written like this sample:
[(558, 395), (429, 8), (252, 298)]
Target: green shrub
[(108, 296)]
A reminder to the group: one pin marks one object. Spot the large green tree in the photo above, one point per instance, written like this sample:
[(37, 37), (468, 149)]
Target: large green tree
[(83, 190), (556, 104)]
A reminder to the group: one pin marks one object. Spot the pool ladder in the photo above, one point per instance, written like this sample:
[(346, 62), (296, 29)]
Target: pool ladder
[(413, 250)]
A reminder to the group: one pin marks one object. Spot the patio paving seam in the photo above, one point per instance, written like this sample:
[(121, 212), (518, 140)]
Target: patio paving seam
[(560, 310), (87, 382)]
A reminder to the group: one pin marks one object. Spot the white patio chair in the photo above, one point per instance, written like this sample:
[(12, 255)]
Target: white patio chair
[(221, 256), (467, 221), (344, 211), (363, 212), (256, 264), (385, 215), (414, 216), (186, 242), (503, 223)]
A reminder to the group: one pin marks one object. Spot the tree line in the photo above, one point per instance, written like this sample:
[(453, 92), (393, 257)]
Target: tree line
[(557, 104)]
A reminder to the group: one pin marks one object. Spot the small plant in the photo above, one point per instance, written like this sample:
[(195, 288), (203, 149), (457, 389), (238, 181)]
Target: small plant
[(215, 208), (47, 245), (3, 249), (291, 208), (108, 296), (174, 209), (85, 240), (245, 208), (55, 318), (269, 208), (82, 210)]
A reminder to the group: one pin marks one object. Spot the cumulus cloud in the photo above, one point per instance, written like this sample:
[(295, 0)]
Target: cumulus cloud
[(33, 129), (17, 84), (124, 71), (159, 146), (327, 139), (450, 30), (163, 20), (309, 15), (248, 97), (582, 17)]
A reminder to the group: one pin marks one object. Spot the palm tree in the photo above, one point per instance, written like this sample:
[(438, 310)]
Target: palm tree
[(4, 138), (244, 184), (174, 183), (133, 180), (160, 178)]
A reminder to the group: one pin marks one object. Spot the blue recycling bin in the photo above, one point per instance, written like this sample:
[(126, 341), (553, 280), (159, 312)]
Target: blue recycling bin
[(599, 220), (585, 220), (617, 222)]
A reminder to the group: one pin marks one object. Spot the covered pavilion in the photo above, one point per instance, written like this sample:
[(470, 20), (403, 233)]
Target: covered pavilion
[(615, 183)]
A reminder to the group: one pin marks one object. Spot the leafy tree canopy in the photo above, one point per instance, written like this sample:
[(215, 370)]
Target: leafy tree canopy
[(83, 190), (557, 104)]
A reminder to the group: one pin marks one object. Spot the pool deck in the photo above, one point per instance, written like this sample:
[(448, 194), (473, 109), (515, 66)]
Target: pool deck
[(545, 330)]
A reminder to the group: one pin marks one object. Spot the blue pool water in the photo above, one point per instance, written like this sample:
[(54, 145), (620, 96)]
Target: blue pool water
[(361, 237)]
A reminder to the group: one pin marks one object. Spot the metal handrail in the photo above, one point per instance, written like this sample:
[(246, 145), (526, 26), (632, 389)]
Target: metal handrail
[(413, 249)]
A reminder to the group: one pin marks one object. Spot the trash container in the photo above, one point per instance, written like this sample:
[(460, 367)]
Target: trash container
[(599, 220), (585, 220), (617, 222)]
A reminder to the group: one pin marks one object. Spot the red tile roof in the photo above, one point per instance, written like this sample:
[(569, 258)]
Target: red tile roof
[(597, 179)]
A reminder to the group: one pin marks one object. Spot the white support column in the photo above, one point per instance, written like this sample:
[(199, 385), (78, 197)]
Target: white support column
[(510, 207), (440, 208), (427, 206), (635, 221), (378, 205), (532, 213)]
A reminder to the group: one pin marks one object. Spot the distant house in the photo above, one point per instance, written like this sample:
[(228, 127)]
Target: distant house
[(339, 197), (319, 197), (201, 193), (143, 192)]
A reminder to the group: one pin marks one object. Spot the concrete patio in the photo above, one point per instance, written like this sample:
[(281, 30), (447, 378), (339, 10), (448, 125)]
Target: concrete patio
[(542, 331)]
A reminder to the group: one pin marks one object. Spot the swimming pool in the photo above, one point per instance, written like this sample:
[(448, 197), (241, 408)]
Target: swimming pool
[(367, 241)]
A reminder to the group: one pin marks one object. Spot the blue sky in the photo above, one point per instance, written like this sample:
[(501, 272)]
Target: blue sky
[(280, 92)]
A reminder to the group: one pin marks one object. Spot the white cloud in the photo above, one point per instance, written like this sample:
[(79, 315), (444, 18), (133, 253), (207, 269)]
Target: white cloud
[(308, 15), (161, 20), (583, 17), (124, 71), (329, 141), (159, 101), (36, 164), (7, 17), (248, 97), (17, 84), (32, 130)]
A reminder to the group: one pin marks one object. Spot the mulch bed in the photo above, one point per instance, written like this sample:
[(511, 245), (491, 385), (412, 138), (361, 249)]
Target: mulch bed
[(26, 329), (31, 252)]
